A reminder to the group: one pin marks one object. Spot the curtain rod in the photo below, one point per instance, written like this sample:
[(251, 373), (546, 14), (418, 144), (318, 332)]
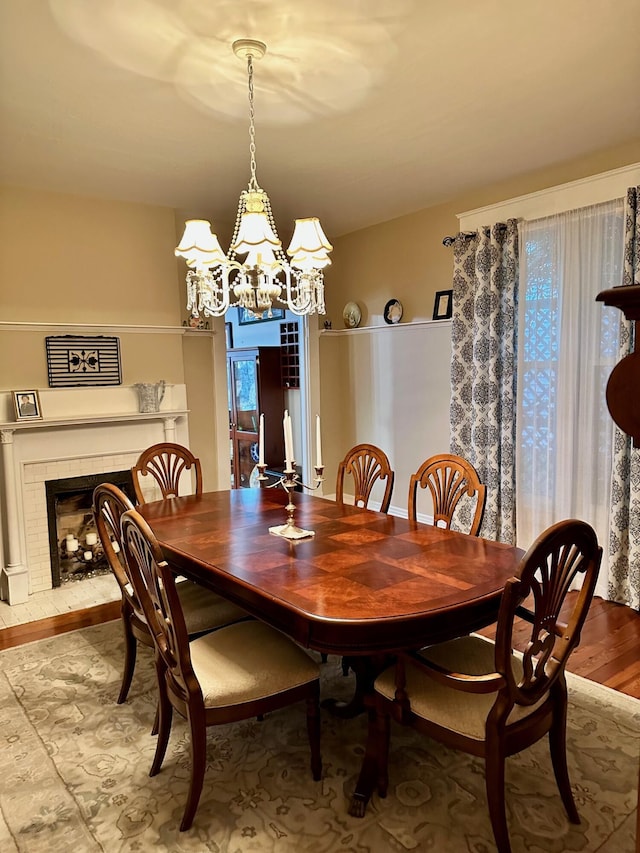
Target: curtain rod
[(467, 235)]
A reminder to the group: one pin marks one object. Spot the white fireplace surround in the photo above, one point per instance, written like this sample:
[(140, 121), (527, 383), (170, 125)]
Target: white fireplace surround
[(83, 431)]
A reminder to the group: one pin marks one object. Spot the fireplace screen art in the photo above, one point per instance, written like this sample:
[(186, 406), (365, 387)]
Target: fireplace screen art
[(87, 360)]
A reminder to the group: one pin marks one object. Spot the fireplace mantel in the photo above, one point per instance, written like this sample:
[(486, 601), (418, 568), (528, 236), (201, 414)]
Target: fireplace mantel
[(53, 423), (74, 438)]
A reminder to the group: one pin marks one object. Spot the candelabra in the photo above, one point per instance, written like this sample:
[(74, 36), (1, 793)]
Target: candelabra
[(79, 560), (289, 481)]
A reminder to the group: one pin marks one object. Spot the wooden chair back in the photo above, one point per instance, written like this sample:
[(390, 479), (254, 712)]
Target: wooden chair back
[(449, 479), (109, 503), (565, 552), (367, 464), (155, 587), (166, 463)]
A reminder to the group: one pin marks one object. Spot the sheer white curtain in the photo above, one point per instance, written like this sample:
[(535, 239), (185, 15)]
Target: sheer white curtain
[(568, 345)]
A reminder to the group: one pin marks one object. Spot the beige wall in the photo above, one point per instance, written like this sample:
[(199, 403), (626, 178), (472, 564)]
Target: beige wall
[(73, 265), (65, 259)]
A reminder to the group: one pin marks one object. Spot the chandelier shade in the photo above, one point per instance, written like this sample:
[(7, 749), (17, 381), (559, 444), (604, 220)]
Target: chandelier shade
[(217, 282), (309, 247), (199, 246)]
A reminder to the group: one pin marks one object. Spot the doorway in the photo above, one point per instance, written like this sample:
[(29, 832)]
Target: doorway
[(284, 388)]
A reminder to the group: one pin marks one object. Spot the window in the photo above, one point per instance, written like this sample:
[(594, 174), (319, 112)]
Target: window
[(568, 345)]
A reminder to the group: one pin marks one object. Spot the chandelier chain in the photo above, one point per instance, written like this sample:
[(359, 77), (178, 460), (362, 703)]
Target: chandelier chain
[(253, 182)]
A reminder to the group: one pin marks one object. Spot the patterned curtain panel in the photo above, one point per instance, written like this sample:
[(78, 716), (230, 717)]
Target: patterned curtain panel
[(483, 367), (624, 530)]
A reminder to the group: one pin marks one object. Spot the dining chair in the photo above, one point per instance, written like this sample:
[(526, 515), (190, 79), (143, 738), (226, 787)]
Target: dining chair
[(367, 464), (240, 671), (166, 463), (204, 610), (487, 698), (450, 480)]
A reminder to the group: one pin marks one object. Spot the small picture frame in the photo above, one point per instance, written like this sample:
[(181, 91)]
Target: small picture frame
[(26, 405), (443, 305)]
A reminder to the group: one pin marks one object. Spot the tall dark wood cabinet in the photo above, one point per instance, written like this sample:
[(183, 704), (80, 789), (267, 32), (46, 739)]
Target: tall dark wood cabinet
[(254, 386)]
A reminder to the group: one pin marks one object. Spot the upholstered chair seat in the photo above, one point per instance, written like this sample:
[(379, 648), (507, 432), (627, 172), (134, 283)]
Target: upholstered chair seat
[(204, 610), (248, 661), (452, 709)]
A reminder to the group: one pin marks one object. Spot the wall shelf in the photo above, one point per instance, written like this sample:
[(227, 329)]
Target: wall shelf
[(414, 324)]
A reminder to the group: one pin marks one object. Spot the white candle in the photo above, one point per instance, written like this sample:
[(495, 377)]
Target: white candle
[(261, 442), (318, 444), (70, 537), (116, 547), (72, 545), (290, 430), (91, 539), (88, 555), (288, 442)]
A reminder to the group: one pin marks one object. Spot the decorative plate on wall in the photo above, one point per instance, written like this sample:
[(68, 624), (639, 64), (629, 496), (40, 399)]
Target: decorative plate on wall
[(351, 315), (393, 311)]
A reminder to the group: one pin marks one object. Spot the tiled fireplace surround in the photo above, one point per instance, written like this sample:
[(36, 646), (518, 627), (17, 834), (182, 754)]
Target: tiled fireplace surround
[(83, 431)]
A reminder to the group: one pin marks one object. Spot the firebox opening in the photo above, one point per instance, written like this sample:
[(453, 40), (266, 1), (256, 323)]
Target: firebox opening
[(74, 545)]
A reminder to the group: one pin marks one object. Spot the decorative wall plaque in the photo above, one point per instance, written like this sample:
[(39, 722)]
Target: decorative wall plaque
[(84, 360)]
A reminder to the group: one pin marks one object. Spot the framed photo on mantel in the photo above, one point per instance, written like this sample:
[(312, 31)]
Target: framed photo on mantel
[(26, 405), (443, 305)]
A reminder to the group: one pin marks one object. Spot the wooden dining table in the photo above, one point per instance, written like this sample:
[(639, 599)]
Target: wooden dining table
[(366, 585)]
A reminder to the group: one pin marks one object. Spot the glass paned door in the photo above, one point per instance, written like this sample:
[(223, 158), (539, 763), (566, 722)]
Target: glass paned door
[(246, 395)]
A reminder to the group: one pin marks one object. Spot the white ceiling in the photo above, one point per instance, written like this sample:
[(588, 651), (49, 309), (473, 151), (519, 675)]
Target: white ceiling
[(365, 109)]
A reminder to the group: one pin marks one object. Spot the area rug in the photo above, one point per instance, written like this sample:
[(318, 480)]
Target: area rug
[(74, 771)]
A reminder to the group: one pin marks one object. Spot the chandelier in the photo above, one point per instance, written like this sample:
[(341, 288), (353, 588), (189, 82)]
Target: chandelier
[(217, 282)]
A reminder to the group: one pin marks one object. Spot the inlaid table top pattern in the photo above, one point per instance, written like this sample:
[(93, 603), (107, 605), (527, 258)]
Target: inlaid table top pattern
[(367, 582)]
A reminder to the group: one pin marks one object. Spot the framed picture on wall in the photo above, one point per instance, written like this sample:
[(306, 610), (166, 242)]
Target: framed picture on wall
[(245, 316), (26, 405), (443, 305), (83, 360), (228, 335)]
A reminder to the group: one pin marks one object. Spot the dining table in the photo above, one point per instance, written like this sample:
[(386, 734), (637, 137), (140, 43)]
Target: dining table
[(365, 585)]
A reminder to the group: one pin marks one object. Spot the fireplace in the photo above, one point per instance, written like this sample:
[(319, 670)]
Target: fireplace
[(85, 432), (74, 545)]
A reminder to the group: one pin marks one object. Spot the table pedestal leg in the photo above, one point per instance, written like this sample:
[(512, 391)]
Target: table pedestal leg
[(368, 778), (364, 787), (366, 669)]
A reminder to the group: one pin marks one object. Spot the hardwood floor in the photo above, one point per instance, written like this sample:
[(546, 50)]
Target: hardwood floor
[(52, 625), (609, 652)]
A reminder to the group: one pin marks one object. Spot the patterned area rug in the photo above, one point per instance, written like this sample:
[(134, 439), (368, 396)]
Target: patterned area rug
[(75, 766)]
